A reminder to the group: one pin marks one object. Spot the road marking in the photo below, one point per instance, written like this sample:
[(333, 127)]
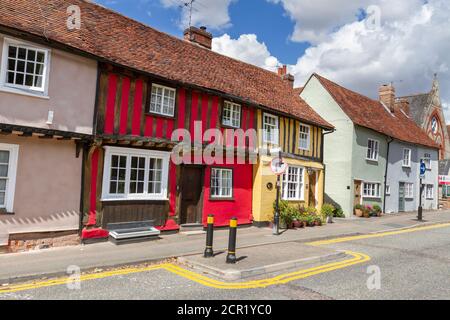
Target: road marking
[(357, 258), (377, 235), (280, 279)]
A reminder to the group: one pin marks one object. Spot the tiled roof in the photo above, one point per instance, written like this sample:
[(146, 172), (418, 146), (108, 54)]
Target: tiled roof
[(111, 36), (298, 90), (372, 114)]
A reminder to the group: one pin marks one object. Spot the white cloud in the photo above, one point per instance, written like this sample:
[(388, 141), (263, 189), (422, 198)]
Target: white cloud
[(246, 48), (410, 45), (316, 20), (407, 51), (213, 14)]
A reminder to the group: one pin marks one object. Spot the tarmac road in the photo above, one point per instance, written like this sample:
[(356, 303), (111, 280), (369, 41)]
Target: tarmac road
[(413, 265)]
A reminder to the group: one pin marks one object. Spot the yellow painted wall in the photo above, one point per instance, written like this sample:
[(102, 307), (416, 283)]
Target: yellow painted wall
[(263, 198), (289, 137)]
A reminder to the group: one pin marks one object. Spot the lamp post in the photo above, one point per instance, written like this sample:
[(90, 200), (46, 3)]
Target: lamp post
[(278, 167)]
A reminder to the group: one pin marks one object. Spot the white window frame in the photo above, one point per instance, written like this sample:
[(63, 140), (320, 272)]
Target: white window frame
[(304, 136), (406, 158), (129, 153), (12, 174), (376, 188), (275, 140), (164, 88), (234, 109), (429, 191), (427, 160), (22, 89), (221, 195), (374, 153), (300, 184), (409, 190), (388, 190)]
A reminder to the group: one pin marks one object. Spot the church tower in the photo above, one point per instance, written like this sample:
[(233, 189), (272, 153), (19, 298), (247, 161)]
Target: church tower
[(426, 110)]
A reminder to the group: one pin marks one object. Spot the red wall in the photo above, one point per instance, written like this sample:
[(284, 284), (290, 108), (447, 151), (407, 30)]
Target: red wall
[(241, 205)]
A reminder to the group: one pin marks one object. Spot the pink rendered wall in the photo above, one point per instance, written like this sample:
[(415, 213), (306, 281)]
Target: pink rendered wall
[(71, 95)]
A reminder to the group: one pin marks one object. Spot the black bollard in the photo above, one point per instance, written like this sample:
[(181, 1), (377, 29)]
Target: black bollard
[(209, 237), (231, 256)]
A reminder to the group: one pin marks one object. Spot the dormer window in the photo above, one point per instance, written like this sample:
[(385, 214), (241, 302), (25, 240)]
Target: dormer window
[(163, 100), (24, 67)]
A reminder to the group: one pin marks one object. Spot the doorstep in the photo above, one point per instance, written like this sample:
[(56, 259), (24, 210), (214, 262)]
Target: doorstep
[(259, 260)]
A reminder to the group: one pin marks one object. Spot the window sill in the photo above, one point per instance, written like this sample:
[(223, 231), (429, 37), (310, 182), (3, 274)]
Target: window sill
[(226, 126), (132, 199), (372, 160), (374, 198), (309, 149), (294, 200), (3, 212), (154, 114), (406, 167), (222, 199), (24, 93)]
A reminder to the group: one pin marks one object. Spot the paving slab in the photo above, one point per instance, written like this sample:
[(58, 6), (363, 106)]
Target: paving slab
[(259, 260), (55, 261)]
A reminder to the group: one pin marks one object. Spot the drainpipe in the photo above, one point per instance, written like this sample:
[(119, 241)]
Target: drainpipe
[(386, 173), (321, 160)]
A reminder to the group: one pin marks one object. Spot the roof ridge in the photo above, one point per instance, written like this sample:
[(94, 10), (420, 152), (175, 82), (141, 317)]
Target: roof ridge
[(401, 119), (177, 38), (414, 95), (346, 89)]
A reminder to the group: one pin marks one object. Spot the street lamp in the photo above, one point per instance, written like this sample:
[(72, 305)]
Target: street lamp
[(278, 167)]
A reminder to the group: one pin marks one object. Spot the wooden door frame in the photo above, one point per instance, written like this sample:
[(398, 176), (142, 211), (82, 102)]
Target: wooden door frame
[(316, 187), (202, 193), (404, 198), (360, 193)]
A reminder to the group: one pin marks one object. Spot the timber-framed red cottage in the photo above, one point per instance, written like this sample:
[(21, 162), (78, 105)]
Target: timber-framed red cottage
[(151, 85)]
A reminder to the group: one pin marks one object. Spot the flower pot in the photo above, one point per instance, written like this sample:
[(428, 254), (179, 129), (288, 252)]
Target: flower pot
[(366, 214), (379, 214), (297, 224), (358, 212)]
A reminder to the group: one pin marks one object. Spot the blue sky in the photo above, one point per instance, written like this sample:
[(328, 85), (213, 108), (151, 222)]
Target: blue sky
[(267, 20), (358, 44)]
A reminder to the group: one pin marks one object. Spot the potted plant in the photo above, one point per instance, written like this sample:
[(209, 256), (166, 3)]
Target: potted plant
[(317, 221), (338, 213), (366, 211), (328, 212), (310, 221), (359, 209), (377, 210)]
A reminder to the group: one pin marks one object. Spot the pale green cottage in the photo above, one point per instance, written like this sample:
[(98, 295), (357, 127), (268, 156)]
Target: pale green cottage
[(355, 155)]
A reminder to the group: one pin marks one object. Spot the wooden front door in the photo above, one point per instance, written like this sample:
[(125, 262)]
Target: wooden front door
[(357, 199), (312, 189), (191, 195)]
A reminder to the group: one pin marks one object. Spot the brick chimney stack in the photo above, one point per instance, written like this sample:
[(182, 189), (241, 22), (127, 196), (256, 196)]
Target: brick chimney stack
[(282, 72), (387, 96), (199, 36)]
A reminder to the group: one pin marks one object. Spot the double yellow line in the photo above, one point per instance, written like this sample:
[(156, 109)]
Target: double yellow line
[(356, 258), (203, 280)]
